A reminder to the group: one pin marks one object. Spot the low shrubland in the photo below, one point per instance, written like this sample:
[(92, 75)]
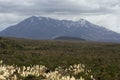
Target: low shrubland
[(102, 59)]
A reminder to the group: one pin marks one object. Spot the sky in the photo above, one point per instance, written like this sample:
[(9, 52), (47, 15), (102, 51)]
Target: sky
[(105, 13)]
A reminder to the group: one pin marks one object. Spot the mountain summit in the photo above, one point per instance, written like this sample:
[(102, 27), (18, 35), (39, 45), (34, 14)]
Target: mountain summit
[(48, 28)]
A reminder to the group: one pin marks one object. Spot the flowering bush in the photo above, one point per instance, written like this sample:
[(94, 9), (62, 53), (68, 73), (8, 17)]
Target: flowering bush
[(14, 72)]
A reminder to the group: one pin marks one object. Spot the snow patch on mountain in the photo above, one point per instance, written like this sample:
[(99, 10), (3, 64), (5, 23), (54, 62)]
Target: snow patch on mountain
[(32, 21), (82, 22), (39, 18)]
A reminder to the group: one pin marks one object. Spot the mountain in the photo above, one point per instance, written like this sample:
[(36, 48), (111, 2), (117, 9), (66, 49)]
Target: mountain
[(69, 38), (48, 28)]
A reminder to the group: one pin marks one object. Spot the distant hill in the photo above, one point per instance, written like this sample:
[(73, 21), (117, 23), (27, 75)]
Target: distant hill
[(47, 28), (69, 38)]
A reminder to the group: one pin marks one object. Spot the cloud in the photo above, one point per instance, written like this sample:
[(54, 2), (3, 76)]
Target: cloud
[(56, 6), (97, 11)]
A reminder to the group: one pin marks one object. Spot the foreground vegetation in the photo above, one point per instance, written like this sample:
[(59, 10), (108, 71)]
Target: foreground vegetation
[(103, 59), (38, 72)]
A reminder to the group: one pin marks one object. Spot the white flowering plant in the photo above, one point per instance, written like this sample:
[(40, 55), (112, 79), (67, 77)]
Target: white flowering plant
[(40, 72)]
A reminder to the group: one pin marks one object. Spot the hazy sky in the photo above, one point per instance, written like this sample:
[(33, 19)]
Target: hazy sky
[(102, 12)]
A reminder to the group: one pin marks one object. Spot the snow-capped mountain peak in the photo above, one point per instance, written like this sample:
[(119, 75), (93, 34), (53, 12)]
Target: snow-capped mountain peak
[(46, 28)]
